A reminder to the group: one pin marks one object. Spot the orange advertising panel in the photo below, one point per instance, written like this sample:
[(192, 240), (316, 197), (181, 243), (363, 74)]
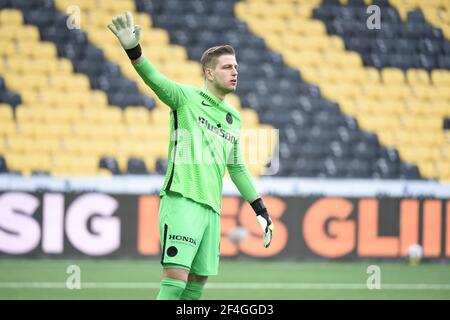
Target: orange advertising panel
[(99, 224)]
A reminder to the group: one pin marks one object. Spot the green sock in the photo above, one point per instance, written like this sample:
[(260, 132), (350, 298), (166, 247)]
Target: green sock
[(193, 291), (171, 289)]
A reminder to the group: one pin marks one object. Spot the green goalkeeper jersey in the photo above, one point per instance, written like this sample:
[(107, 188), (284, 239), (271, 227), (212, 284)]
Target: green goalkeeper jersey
[(204, 141)]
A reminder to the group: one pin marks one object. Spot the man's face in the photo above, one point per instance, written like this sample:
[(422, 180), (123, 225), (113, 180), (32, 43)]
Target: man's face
[(224, 75)]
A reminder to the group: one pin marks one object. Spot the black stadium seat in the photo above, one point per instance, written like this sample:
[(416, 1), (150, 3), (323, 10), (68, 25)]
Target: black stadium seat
[(136, 166)]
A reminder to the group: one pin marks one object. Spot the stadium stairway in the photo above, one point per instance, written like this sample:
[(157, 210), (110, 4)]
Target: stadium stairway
[(384, 102), (317, 139)]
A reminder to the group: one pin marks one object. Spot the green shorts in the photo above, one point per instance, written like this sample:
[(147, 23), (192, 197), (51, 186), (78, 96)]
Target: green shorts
[(190, 235)]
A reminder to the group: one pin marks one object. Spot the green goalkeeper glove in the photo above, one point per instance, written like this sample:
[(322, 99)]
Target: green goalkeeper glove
[(264, 221), (128, 34)]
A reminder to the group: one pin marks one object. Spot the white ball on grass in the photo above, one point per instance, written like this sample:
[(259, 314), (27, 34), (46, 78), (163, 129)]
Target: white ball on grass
[(238, 234), (415, 253)]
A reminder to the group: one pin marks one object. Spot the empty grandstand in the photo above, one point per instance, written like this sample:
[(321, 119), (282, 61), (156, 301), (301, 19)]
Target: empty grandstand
[(350, 102)]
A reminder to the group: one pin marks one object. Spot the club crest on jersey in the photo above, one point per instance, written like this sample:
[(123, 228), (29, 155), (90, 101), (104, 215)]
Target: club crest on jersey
[(229, 118)]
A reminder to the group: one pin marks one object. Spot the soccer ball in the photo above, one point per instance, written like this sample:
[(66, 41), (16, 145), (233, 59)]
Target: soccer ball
[(238, 234), (415, 254)]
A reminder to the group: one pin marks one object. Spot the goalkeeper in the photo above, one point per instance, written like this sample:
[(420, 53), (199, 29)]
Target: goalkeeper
[(205, 127)]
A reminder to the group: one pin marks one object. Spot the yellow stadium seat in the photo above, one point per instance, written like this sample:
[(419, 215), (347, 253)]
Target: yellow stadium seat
[(122, 162), (440, 77), (28, 114), (64, 66), (428, 169), (428, 138), (133, 148), (150, 163), (430, 123), (404, 137), (79, 82), (27, 33), (17, 143), (417, 76), (444, 170), (96, 147), (6, 113), (57, 130), (9, 33), (159, 149), (441, 93), (98, 99), (110, 132), (161, 117), (422, 92), (389, 108), (60, 116), (387, 137), (45, 146), (373, 91), (102, 172), (161, 133), (7, 49), (10, 17), (143, 20), (155, 37), (134, 115), (409, 121), (123, 6), (72, 145), (349, 106), (17, 161), (107, 147), (395, 91), (26, 48), (276, 24), (111, 116), (249, 118), (8, 128), (60, 172), (372, 75), (441, 108), (308, 58), (234, 100), (140, 131), (392, 76), (343, 59), (330, 75), (29, 129), (3, 147)]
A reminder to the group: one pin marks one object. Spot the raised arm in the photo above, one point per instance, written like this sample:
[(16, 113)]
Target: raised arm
[(170, 92)]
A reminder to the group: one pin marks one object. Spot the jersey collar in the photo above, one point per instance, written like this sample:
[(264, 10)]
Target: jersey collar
[(211, 98)]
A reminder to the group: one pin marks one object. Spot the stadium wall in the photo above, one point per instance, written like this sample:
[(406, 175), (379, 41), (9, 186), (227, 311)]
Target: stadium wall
[(314, 219)]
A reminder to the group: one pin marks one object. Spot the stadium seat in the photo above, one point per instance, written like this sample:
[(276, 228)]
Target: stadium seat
[(136, 166), (161, 166), (3, 165), (109, 163)]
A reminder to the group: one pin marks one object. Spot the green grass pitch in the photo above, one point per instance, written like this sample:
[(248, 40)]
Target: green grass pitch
[(237, 279)]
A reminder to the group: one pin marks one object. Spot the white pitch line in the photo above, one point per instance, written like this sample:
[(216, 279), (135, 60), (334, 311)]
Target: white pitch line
[(228, 285)]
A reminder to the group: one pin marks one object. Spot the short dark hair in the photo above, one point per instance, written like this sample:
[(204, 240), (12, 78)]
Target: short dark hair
[(209, 57)]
